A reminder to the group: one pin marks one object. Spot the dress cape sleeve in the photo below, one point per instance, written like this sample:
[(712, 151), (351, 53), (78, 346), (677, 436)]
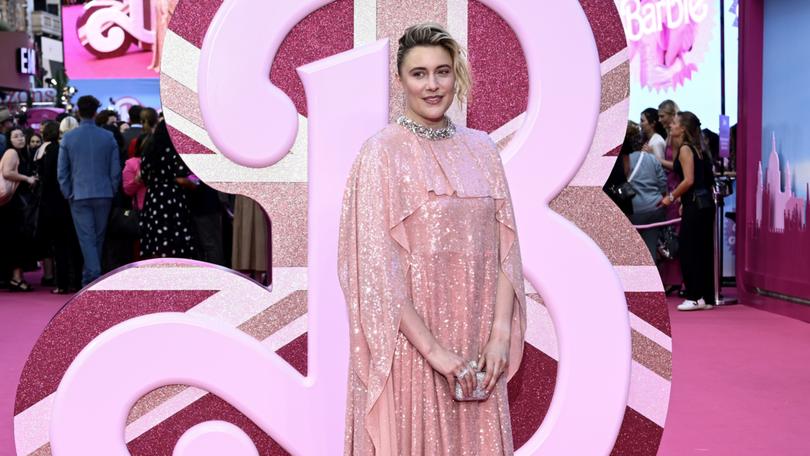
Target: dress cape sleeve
[(372, 269), (510, 263)]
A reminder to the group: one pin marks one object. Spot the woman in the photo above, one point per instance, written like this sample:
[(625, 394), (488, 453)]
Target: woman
[(14, 230), (67, 124), (165, 11), (647, 178), (429, 264), (693, 165), (36, 150), (165, 222), (132, 180), (653, 133), (55, 228), (34, 141), (670, 270), (614, 186)]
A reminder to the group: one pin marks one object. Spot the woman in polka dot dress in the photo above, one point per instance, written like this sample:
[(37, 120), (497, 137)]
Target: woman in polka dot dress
[(165, 221)]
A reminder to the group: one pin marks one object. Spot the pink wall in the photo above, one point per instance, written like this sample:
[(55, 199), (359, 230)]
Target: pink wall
[(749, 154)]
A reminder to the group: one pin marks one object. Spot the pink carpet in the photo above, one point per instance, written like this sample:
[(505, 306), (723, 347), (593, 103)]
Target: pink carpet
[(740, 377), (23, 316), (740, 382)]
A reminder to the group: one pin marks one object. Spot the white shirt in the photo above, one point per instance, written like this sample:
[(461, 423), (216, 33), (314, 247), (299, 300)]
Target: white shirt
[(658, 145)]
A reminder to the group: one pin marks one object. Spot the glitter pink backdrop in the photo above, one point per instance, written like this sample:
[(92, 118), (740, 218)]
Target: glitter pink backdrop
[(500, 95)]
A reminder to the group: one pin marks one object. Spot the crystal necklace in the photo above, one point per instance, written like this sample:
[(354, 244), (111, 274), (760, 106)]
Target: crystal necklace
[(432, 134)]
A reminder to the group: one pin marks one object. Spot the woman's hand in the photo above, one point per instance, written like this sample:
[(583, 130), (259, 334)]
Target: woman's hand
[(32, 180), (452, 367), (494, 360), (647, 148)]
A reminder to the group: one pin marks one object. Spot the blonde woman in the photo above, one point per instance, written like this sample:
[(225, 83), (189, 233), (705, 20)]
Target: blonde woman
[(67, 124), (429, 263)]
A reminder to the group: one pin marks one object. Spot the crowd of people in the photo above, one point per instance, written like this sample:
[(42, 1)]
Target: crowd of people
[(664, 181), (86, 194)]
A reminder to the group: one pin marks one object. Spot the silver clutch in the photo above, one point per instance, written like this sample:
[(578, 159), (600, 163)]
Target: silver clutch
[(478, 394)]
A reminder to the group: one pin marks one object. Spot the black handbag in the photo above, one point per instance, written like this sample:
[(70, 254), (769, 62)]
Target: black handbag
[(124, 223), (668, 243), (702, 199), (623, 192)]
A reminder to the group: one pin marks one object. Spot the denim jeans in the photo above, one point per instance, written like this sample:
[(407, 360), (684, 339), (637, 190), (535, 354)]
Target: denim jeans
[(90, 219)]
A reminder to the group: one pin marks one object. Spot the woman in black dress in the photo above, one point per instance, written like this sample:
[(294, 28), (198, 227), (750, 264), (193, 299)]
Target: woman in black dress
[(55, 232), (15, 231), (165, 221), (693, 165)]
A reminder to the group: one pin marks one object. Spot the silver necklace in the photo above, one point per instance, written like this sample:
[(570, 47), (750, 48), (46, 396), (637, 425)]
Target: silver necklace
[(433, 134)]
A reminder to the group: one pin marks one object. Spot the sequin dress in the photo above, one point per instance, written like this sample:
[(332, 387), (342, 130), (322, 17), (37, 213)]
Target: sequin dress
[(430, 223)]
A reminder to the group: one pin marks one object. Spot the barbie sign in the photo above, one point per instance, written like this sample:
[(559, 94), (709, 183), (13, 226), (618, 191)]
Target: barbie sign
[(667, 39)]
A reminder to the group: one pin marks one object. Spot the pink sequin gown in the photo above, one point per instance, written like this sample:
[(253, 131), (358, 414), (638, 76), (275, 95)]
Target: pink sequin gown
[(430, 223)]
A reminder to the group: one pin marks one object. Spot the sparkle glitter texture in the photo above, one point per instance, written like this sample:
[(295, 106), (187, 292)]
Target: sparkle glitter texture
[(286, 206), (500, 76), (614, 86), (192, 18), (325, 32), (595, 214), (428, 224)]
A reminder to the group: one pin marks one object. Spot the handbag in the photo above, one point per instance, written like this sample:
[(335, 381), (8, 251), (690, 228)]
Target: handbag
[(479, 393), (702, 199), (625, 191), (668, 243), (124, 223)]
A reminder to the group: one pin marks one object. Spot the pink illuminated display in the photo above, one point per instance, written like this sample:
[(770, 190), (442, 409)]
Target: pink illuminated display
[(667, 39)]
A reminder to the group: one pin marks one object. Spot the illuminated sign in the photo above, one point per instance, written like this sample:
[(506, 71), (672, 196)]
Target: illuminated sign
[(642, 18), (667, 39), (26, 61)]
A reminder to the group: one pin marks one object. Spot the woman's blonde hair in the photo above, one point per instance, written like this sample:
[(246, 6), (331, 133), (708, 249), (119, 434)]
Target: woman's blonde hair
[(67, 124), (669, 106), (432, 34)]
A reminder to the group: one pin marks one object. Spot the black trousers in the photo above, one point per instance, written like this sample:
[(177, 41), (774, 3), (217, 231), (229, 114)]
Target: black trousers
[(68, 257), (697, 252)]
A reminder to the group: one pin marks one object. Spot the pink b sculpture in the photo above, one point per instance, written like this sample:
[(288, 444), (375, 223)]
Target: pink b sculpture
[(347, 100)]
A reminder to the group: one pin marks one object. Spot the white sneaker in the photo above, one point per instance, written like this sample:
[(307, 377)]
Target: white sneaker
[(688, 304)]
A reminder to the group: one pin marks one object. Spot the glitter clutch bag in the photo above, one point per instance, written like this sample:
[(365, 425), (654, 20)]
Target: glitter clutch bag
[(478, 394)]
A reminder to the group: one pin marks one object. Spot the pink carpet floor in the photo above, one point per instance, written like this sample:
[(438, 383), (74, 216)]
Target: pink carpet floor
[(741, 377)]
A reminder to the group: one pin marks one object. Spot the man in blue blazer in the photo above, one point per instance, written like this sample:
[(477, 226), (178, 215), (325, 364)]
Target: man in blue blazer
[(89, 175)]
